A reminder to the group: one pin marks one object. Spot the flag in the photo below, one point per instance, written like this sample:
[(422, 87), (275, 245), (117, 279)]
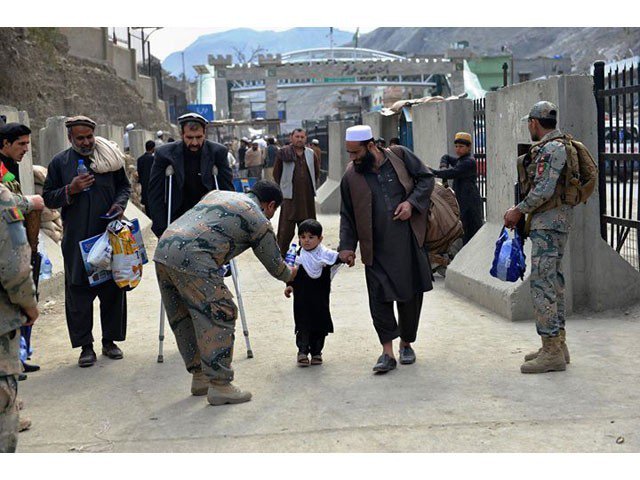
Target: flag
[(355, 37)]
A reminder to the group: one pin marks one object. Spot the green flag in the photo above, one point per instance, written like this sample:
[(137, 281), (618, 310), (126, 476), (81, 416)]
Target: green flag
[(355, 37)]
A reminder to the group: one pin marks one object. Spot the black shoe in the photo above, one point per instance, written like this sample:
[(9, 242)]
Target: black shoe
[(112, 351), (30, 367), (21, 377), (385, 364), (87, 356), (407, 356)]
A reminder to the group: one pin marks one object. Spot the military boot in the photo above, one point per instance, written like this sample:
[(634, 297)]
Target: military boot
[(563, 345), (199, 383), (550, 359), (224, 392)]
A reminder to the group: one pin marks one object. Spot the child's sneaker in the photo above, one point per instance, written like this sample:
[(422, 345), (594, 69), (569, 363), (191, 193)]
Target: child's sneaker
[(316, 360), (303, 360)]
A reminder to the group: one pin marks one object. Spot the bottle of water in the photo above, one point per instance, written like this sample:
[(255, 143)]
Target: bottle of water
[(46, 269), (290, 257), (82, 170)]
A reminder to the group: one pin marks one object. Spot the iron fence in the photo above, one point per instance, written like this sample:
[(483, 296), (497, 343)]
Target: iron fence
[(617, 93), (480, 150)]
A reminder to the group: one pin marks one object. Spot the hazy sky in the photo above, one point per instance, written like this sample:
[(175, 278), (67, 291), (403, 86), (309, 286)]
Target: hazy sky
[(175, 39)]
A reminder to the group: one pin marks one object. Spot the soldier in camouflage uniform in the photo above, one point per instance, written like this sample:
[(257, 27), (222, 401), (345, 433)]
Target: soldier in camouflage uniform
[(199, 306), (549, 223), (18, 307)]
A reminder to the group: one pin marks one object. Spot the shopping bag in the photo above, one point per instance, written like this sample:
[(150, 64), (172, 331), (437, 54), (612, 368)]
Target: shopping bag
[(509, 262), (126, 261), (99, 256)]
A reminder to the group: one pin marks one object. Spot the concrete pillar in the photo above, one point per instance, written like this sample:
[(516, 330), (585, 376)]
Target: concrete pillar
[(385, 126), (435, 125), (456, 80), (328, 195), (53, 139), (137, 139), (115, 133), (596, 276), (26, 165)]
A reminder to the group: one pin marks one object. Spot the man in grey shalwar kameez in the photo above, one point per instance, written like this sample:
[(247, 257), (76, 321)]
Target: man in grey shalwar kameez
[(385, 198)]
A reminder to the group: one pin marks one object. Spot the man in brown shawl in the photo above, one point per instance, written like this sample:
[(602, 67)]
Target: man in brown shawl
[(297, 171)]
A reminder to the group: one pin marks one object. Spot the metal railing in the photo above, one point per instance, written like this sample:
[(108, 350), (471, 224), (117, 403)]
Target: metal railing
[(480, 150), (617, 94)]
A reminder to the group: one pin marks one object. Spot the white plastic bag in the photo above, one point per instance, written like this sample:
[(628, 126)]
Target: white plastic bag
[(100, 254)]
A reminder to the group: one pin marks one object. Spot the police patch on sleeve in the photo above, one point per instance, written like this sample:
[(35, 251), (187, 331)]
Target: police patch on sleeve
[(17, 233), (543, 163)]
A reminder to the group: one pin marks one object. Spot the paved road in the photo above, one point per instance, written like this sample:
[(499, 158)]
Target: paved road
[(464, 394)]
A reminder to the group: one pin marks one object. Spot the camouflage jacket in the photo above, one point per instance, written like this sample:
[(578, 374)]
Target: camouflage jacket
[(23, 203), (549, 162), (220, 227), (16, 286)]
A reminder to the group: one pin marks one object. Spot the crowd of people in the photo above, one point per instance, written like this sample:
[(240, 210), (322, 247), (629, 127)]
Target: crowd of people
[(204, 223)]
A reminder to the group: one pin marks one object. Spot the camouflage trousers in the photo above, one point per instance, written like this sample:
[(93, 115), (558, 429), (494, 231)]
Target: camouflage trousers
[(202, 315), (9, 365), (547, 280)]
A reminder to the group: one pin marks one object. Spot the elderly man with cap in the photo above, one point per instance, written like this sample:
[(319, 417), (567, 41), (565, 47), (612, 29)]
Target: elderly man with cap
[(86, 199), (549, 221), (197, 164), (462, 170), (315, 146), (385, 198)]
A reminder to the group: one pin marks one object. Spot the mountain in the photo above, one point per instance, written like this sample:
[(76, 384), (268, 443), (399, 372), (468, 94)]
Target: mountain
[(241, 43), (584, 45)]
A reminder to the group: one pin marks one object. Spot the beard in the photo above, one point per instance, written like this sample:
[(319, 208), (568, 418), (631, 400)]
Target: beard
[(83, 151), (365, 164)]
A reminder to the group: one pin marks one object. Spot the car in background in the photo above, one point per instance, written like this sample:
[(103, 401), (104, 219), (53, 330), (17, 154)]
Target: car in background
[(619, 139)]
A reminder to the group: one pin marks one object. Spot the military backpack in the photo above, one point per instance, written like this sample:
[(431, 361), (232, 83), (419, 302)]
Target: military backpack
[(577, 180)]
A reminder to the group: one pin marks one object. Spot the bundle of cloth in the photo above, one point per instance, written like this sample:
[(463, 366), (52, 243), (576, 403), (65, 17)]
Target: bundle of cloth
[(50, 221)]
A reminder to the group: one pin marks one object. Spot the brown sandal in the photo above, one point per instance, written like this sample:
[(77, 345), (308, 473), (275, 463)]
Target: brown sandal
[(316, 360), (303, 360)]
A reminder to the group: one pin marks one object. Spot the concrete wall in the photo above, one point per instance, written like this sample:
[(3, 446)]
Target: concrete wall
[(146, 86), (115, 133), (53, 139), (26, 165), (596, 277), (382, 126), (435, 125), (87, 43), (137, 139), (124, 61), (328, 195)]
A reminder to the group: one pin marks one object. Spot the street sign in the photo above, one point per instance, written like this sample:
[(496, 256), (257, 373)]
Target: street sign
[(204, 109)]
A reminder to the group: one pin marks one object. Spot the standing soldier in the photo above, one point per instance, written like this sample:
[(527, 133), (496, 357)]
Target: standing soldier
[(14, 144), (549, 222), (18, 307)]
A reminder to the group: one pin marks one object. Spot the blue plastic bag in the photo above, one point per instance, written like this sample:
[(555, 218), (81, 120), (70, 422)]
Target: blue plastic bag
[(509, 262)]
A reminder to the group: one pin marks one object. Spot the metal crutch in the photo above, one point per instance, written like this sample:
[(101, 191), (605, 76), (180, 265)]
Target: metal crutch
[(168, 174), (236, 285)]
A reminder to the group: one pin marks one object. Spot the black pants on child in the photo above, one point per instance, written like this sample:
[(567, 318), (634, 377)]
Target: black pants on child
[(310, 342)]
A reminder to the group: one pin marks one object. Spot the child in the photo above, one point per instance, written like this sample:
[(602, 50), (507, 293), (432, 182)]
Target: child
[(310, 289)]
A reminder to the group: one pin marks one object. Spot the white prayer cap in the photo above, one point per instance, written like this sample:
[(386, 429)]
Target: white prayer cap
[(359, 133)]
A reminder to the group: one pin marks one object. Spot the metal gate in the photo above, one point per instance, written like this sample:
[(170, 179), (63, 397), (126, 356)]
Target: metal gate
[(617, 93), (480, 150)]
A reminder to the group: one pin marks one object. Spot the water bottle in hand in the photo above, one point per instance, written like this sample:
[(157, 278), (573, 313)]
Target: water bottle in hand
[(290, 257), (82, 170)]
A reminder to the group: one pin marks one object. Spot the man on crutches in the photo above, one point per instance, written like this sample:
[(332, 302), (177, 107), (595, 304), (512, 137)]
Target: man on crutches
[(182, 173), (199, 306)]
